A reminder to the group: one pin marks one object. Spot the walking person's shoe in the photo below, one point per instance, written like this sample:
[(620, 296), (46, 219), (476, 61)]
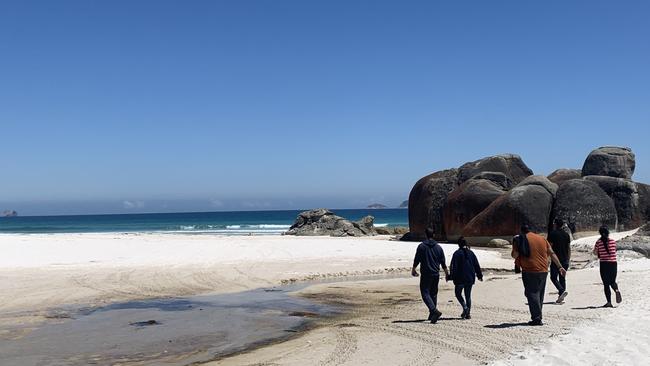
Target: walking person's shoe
[(536, 322), (435, 316), (560, 299), (467, 316), (464, 314), (608, 305), (619, 298)]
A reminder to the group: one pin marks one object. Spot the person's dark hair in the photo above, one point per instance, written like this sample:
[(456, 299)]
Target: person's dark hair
[(429, 233), (525, 229), (559, 223), (462, 242), (604, 237)]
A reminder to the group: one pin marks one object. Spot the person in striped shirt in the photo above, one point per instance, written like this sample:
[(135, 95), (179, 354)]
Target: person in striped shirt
[(605, 249)]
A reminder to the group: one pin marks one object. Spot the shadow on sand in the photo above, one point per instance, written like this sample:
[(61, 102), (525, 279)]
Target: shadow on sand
[(589, 308), (421, 320), (506, 325)]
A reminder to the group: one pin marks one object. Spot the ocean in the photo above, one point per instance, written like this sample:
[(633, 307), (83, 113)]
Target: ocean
[(225, 223)]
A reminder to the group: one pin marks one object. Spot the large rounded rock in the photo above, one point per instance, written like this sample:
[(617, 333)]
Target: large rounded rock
[(618, 162), (467, 201), (542, 181), (426, 200), (509, 164), (530, 204), (562, 175), (584, 204), (625, 195)]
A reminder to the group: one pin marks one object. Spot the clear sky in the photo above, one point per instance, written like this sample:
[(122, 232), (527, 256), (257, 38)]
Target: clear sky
[(149, 106)]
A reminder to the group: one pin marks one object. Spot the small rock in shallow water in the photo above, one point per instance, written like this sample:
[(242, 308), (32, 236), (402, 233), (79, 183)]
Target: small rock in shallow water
[(145, 323)]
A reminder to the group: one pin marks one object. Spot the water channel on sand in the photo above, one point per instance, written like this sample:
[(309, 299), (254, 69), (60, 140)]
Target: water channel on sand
[(177, 331)]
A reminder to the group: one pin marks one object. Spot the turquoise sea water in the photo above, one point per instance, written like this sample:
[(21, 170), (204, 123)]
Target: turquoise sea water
[(226, 223)]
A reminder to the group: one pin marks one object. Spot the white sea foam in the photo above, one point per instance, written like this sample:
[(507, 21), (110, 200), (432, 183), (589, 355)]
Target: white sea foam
[(233, 227), (271, 226), (381, 225)]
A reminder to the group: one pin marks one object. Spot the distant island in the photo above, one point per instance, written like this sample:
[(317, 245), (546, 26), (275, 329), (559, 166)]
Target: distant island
[(404, 204), (377, 206), (9, 213)]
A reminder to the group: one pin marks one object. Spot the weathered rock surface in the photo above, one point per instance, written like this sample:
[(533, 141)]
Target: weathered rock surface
[(426, 201), (562, 175), (467, 201), (585, 204), (644, 199), (612, 161), (531, 204), (509, 164), (323, 222), (498, 178), (542, 181), (625, 195)]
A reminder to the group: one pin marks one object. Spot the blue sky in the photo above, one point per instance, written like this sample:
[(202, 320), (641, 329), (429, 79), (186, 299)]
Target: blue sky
[(148, 106)]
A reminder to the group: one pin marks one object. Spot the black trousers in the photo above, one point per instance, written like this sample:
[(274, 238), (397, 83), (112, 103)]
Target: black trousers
[(558, 280), (429, 291), (608, 271), (534, 287)]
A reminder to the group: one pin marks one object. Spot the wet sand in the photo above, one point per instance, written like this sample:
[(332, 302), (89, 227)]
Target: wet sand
[(175, 332)]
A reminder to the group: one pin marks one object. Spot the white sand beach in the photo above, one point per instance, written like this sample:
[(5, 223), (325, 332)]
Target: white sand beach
[(45, 270), (40, 272)]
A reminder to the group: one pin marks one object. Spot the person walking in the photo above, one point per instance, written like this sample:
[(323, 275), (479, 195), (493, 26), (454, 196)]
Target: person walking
[(431, 257), (464, 269), (532, 251), (605, 249), (561, 244)]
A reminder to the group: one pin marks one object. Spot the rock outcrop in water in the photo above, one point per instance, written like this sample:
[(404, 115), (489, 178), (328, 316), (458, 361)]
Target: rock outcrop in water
[(323, 222), (376, 206), (490, 197), (9, 213)]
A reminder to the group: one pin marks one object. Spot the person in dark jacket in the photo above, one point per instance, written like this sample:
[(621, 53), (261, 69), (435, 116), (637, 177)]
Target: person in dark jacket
[(464, 270), (561, 243), (430, 256)]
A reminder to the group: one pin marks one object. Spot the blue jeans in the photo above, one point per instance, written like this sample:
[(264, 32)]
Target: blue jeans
[(467, 302), (559, 283)]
